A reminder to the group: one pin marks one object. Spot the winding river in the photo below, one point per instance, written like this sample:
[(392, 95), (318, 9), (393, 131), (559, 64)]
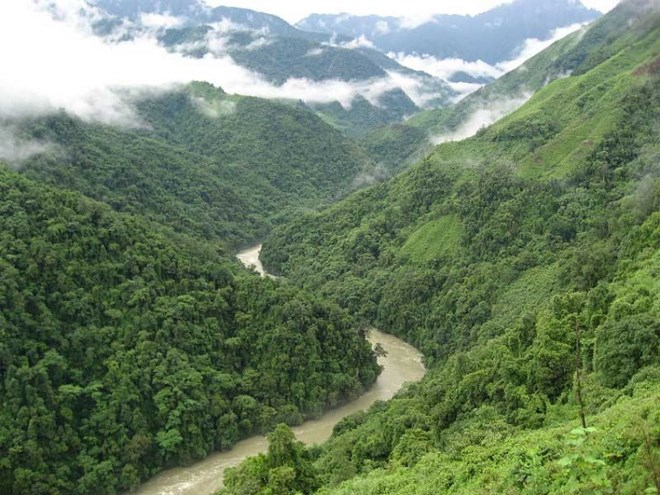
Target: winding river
[(403, 363)]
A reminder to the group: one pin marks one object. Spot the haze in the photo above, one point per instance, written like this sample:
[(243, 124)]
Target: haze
[(418, 10)]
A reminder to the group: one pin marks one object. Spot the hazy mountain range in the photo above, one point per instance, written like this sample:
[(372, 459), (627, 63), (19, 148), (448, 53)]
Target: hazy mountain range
[(493, 36)]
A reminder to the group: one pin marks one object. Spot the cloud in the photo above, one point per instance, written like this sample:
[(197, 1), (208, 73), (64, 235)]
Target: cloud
[(60, 64), (359, 42), (412, 21), (483, 116), (214, 109), (14, 150), (314, 52), (445, 68), (463, 89), (160, 21), (382, 27), (415, 87), (533, 46)]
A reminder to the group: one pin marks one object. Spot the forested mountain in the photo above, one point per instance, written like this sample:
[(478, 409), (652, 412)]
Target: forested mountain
[(204, 162), (125, 348), (524, 263), (398, 145), (493, 36)]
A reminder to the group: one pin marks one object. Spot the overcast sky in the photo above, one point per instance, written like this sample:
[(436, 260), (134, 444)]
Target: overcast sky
[(295, 10)]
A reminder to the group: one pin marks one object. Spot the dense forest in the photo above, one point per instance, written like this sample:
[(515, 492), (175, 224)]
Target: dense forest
[(204, 162), (126, 348), (524, 262)]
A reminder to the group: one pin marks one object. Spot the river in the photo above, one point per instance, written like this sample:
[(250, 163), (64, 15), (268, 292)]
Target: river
[(403, 363)]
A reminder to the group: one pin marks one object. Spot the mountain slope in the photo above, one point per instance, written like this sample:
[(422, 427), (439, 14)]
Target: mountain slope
[(559, 133), (523, 262), (126, 348), (398, 145), (493, 36), (204, 162)]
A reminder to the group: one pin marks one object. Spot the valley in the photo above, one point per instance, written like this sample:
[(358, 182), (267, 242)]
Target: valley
[(245, 254), (401, 364)]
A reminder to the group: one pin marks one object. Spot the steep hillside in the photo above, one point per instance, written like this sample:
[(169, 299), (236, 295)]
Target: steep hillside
[(493, 36), (594, 132), (282, 58), (203, 162), (125, 348), (398, 145), (524, 263)]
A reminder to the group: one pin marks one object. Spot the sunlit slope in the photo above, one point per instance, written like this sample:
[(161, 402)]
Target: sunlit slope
[(524, 263)]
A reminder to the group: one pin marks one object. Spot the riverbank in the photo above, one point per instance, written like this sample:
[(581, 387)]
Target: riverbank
[(402, 363)]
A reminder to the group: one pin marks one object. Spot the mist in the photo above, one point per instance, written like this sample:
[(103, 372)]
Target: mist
[(446, 68), (15, 150), (485, 115), (60, 64)]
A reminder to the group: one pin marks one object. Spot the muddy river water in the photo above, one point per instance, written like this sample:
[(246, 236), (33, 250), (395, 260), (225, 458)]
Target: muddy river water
[(403, 363)]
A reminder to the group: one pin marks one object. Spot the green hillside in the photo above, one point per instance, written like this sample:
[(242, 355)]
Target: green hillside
[(398, 146), (126, 348), (524, 263), (204, 162)]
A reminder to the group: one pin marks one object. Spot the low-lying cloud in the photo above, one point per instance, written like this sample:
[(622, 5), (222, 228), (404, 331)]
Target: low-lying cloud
[(14, 150), (485, 115), (61, 65), (446, 68), (533, 46)]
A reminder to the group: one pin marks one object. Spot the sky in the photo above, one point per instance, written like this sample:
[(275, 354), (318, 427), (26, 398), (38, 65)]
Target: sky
[(295, 10)]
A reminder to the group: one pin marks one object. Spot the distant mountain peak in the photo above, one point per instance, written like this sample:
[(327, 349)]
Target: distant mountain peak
[(491, 36)]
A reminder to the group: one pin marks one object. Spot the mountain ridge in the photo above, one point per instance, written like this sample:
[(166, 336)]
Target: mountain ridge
[(491, 36)]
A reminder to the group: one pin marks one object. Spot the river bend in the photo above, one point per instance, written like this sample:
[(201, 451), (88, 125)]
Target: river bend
[(403, 363)]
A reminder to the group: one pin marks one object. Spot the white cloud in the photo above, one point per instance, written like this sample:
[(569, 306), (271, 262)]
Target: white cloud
[(14, 150), (414, 87), (464, 88), (160, 21), (314, 52), (411, 21), (533, 46), (484, 116), (214, 109), (54, 65), (382, 27), (359, 42), (445, 68)]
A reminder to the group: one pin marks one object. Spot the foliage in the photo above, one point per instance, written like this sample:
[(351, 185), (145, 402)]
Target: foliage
[(286, 469), (209, 164), (631, 22), (126, 348), (553, 240)]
